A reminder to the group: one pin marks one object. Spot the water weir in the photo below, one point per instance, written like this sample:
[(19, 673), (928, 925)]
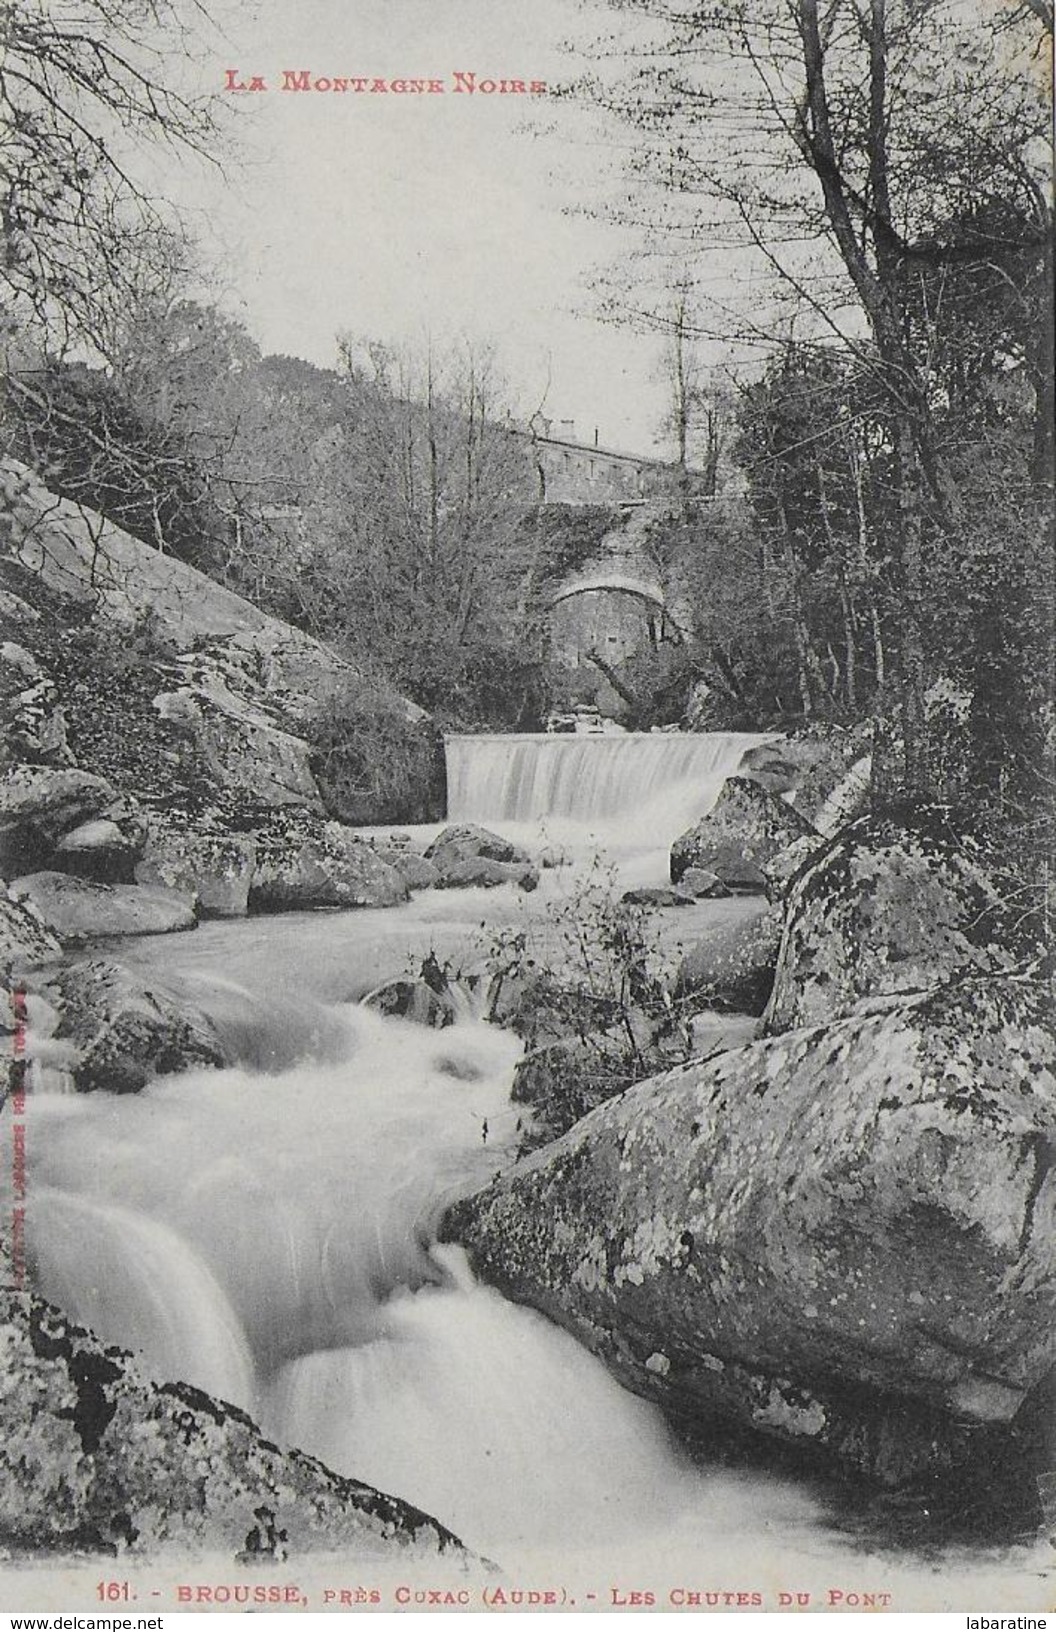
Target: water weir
[(632, 778)]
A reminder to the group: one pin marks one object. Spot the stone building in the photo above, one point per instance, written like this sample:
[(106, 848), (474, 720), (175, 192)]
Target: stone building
[(572, 471)]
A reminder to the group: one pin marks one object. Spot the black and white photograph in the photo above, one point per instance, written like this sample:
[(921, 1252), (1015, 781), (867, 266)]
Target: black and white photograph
[(527, 808)]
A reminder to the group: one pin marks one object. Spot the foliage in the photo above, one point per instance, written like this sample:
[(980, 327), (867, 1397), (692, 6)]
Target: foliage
[(416, 560), (372, 760), (86, 89), (565, 537), (588, 977), (878, 174), (74, 427)]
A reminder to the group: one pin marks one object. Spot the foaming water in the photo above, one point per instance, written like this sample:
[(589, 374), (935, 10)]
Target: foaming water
[(142, 1286), (268, 1233), (631, 789), (547, 1446), (306, 1197)]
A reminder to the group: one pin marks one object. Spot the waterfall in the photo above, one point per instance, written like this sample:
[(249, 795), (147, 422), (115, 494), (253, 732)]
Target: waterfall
[(649, 784), (268, 1232), (144, 1287)]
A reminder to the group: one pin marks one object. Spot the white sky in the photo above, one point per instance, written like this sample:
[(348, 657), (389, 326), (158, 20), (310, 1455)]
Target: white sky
[(398, 216)]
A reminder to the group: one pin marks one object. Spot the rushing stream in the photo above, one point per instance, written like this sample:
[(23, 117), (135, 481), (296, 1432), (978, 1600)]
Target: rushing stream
[(268, 1233)]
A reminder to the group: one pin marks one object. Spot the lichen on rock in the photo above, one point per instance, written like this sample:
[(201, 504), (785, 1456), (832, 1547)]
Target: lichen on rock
[(860, 1211)]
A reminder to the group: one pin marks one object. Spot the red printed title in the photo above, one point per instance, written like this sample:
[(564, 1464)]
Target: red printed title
[(462, 82)]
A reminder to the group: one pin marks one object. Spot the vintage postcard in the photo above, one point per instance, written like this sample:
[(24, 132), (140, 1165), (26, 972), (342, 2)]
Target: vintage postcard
[(526, 807)]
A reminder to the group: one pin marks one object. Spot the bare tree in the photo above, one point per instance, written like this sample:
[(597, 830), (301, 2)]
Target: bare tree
[(863, 155), (83, 89)]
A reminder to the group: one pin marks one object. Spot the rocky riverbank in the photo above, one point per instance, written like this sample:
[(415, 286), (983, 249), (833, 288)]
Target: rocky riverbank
[(832, 1224), (799, 1183)]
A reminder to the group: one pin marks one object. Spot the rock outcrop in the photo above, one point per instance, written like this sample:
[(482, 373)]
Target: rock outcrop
[(842, 1237), (417, 872), (213, 870), (77, 910), (39, 805), (746, 826), (470, 857), (481, 873), (886, 908), (107, 848), (124, 1033), (657, 895), (94, 563), (821, 770), (132, 664), (94, 1457), (330, 869), (464, 841), (26, 943), (732, 966), (240, 737), (32, 726), (703, 885)]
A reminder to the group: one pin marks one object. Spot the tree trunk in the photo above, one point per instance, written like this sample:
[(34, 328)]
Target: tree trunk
[(909, 558)]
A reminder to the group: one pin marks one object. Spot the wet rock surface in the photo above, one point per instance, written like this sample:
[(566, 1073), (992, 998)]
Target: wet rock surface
[(483, 873), (125, 1033), (841, 1236), (745, 828), (93, 1456), (887, 908), (332, 868), (462, 840), (78, 910)]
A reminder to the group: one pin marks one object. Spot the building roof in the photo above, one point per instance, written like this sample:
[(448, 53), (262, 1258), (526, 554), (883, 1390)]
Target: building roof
[(594, 449)]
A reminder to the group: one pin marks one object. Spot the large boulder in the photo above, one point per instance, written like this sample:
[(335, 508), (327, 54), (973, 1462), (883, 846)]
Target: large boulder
[(842, 1237), (822, 770), (482, 873), (731, 967), (125, 1033), (241, 739), (26, 943), (702, 885), (77, 910), (746, 827), (437, 996), (92, 1456), (332, 868), (89, 560), (462, 841), (781, 869), (106, 848), (886, 908), (213, 870), (417, 871), (198, 691), (38, 805), (657, 895)]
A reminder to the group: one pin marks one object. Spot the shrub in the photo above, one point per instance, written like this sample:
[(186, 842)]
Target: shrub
[(372, 760)]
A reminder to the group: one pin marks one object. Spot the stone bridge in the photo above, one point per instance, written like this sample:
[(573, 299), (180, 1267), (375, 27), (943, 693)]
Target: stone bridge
[(615, 604)]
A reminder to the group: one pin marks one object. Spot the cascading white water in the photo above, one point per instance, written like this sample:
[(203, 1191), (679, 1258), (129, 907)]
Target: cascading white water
[(268, 1232), (270, 1237), (521, 778), (628, 795)]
